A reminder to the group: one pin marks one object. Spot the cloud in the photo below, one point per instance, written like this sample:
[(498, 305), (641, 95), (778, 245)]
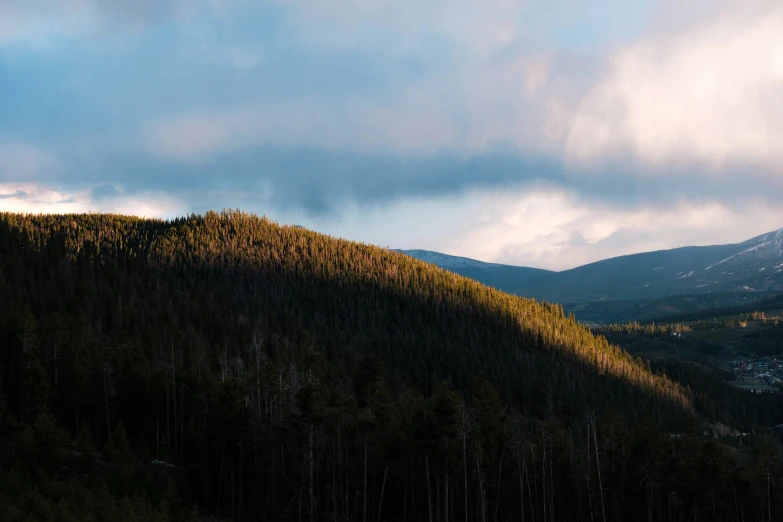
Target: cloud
[(540, 226), (476, 29), (244, 59), (521, 103), (197, 136), (481, 26), (380, 115), (708, 95), (356, 127), (38, 21), (35, 198), (558, 229), (21, 161)]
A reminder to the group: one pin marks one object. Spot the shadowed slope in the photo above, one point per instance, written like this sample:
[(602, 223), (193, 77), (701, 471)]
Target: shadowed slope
[(219, 279)]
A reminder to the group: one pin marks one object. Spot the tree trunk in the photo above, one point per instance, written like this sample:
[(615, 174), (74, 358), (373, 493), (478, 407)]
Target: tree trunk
[(551, 482), (437, 498), (55, 372), (598, 468), (311, 490), (465, 461), (364, 507), (383, 488), (769, 498), (106, 395), (533, 509), (233, 493), (301, 489), (529, 492), (429, 489), (220, 479), (182, 422), (174, 390), (405, 497), (334, 485), (521, 486), (446, 498), (497, 496), (543, 474), (413, 494), (168, 414), (481, 499), (587, 474)]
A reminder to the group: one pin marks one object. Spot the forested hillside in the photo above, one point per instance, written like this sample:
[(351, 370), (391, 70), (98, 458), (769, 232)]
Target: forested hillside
[(222, 364)]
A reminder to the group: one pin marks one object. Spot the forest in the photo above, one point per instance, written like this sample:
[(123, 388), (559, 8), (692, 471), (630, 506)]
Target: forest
[(222, 366)]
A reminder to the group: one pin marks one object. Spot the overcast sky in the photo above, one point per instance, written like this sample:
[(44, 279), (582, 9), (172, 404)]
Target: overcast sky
[(547, 133)]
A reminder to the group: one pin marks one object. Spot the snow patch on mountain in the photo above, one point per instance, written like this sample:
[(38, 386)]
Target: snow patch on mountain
[(761, 248), (721, 262)]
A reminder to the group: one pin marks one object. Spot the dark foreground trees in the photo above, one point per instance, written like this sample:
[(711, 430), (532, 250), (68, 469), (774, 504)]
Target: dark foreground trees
[(283, 440)]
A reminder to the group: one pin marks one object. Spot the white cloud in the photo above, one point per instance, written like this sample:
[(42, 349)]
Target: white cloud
[(36, 198), (710, 94), (701, 91), (541, 227), (558, 230)]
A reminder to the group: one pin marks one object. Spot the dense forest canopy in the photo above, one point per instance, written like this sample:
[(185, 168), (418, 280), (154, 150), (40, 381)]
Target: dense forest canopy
[(223, 364)]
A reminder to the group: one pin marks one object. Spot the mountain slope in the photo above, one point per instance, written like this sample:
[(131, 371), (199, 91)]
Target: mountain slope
[(502, 277), (755, 265), (751, 266), (428, 324)]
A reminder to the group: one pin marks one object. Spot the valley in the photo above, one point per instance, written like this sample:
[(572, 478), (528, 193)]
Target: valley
[(743, 351)]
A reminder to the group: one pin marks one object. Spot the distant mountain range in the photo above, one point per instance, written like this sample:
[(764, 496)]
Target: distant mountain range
[(503, 277), (641, 286)]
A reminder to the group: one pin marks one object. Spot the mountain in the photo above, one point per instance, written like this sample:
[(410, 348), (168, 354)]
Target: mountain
[(753, 266), (223, 278), (503, 277), (221, 365)]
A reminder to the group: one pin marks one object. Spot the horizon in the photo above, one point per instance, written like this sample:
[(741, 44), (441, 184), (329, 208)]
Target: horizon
[(406, 250), (499, 131), (599, 260)]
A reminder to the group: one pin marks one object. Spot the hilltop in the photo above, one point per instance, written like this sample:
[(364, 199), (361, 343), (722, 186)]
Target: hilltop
[(230, 276)]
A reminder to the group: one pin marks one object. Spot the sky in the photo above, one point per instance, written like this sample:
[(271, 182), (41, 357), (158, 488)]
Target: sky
[(545, 133)]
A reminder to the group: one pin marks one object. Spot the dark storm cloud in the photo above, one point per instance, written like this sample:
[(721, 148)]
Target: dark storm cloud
[(320, 182)]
